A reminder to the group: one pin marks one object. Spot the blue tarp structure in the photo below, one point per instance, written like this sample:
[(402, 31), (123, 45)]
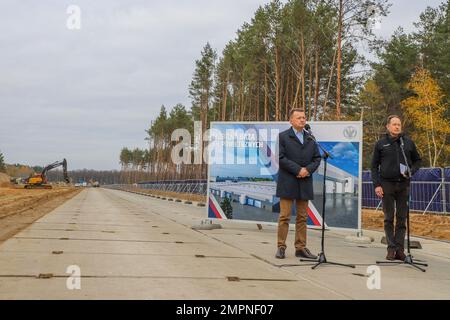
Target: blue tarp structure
[(447, 188), (369, 198), (174, 181), (426, 185), (196, 186)]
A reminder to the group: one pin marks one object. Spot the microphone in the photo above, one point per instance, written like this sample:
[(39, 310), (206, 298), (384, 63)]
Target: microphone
[(307, 129)]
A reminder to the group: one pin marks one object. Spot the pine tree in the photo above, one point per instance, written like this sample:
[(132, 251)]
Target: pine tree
[(201, 86), (2, 163), (201, 89), (227, 208), (433, 39), (373, 115)]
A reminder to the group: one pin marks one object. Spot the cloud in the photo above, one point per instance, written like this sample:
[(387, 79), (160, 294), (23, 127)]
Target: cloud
[(345, 151), (85, 94)]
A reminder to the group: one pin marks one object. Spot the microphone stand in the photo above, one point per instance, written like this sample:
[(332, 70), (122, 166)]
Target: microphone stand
[(409, 259), (321, 258)]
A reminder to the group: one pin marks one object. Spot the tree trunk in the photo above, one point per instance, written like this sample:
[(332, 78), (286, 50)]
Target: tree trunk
[(277, 85), (297, 92), (329, 84), (429, 148), (241, 99), (281, 97), (338, 84), (433, 136), (257, 98), (286, 96), (266, 93), (316, 83), (302, 43), (206, 103), (291, 92), (224, 97), (233, 105), (310, 89)]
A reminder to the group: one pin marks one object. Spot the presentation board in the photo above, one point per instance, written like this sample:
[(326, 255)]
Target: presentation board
[(243, 173)]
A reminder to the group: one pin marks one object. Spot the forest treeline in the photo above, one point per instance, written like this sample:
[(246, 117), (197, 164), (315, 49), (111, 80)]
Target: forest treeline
[(304, 54)]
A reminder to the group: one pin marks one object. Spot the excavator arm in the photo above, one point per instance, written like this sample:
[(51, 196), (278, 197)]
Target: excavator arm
[(40, 179), (55, 165)]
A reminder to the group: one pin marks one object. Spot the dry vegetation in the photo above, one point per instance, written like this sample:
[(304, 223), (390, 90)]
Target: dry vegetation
[(423, 225)]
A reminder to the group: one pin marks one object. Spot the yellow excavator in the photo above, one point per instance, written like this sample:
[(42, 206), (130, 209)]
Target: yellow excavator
[(39, 180)]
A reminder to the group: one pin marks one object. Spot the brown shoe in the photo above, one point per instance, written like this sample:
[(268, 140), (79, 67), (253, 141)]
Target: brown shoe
[(280, 253), (390, 254), (305, 253), (400, 254)]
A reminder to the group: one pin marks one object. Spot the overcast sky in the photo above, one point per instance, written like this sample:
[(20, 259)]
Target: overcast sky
[(84, 94)]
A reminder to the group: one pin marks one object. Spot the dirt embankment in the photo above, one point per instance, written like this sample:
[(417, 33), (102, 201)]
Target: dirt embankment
[(21, 207), (422, 225), (4, 180)]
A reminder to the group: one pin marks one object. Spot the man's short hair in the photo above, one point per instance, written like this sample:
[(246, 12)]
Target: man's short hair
[(392, 116), (295, 110)]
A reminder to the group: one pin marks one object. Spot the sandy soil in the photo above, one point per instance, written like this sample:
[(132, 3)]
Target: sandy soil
[(4, 180), (428, 225), (21, 207)]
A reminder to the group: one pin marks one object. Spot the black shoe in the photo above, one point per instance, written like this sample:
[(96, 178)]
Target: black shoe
[(305, 253), (280, 253), (400, 255), (390, 254)]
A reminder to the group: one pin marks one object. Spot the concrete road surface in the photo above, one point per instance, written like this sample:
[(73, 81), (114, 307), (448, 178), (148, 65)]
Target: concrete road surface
[(130, 246)]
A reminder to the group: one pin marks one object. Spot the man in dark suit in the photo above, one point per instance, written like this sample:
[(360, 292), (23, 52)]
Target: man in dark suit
[(299, 157)]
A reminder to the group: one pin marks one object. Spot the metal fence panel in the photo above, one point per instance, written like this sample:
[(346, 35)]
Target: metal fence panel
[(446, 190), (430, 191), (426, 196), (180, 186)]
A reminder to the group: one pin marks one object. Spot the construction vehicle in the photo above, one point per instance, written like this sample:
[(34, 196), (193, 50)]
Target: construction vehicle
[(93, 183), (39, 180)]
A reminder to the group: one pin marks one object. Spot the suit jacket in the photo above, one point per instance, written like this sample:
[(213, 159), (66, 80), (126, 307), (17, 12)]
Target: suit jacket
[(293, 155)]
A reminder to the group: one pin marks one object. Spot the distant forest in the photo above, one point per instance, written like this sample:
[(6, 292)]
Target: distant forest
[(303, 54), (78, 176)]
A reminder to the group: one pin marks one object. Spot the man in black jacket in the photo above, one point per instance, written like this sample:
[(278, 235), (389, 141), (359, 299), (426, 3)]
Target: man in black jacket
[(299, 157), (391, 180)]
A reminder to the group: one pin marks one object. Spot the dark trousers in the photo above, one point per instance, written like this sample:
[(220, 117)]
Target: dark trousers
[(395, 201)]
